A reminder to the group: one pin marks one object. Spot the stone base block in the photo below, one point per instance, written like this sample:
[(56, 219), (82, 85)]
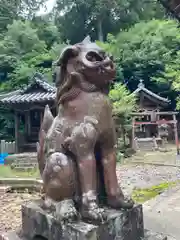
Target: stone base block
[(14, 236), (120, 225), (38, 224)]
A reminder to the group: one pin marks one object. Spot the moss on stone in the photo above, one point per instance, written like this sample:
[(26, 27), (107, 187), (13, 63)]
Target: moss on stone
[(143, 195)]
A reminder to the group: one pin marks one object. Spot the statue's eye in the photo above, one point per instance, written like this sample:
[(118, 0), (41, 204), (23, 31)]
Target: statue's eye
[(94, 57)]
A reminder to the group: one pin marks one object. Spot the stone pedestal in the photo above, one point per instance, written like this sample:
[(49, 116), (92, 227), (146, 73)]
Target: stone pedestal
[(38, 224), (120, 225)]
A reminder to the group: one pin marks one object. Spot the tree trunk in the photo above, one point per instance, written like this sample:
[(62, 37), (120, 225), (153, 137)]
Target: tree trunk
[(100, 30)]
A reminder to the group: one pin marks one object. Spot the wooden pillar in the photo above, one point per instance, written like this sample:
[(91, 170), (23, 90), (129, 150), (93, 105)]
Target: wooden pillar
[(176, 133), (141, 101), (157, 119), (41, 117), (133, 132), (28, 123), (16, 120)]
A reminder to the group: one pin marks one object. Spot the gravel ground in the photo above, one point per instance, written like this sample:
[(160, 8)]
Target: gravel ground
[(129, 176), (10, 210), (145, 176)]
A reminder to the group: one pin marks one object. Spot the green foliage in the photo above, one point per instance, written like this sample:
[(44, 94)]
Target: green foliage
[(14, 9), (124, 103), (143, 195), (99, 17), (8, 12), (46, 30), (25, 38), (120, 157), (24, 49), (149, 50)]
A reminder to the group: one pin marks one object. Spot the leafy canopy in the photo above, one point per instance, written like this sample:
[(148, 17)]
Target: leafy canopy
[(150, 51), (100, 17), (24, 50)]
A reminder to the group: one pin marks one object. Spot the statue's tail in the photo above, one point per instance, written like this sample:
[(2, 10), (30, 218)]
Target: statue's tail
[(45, 126)]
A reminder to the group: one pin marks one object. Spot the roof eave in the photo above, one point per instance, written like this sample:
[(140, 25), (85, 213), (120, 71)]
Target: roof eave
[(42, 81), (152, 95), (3, 95)]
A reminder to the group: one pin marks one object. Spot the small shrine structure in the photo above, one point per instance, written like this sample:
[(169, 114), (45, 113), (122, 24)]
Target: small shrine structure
[(27, 106), (148, 124), (148, 100)]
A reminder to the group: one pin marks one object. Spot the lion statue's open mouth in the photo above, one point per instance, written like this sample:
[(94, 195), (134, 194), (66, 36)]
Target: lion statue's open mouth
[(87, 61), (98, 67), (100, 62)]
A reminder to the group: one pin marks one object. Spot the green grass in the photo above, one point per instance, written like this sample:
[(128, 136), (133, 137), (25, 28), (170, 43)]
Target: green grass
[(143, 195), (7, 172)]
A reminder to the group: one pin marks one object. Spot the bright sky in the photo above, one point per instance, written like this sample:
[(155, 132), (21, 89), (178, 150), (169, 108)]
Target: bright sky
[(49, 6)]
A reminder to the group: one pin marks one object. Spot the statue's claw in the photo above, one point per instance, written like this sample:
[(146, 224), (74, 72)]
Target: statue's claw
[(93, 212), (66, 211)]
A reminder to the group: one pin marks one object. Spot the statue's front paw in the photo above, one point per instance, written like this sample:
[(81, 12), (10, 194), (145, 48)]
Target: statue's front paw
[(93, 213), (66, 211)]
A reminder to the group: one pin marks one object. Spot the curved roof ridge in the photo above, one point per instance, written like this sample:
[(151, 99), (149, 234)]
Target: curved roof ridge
[(141, 87), (42, 81)]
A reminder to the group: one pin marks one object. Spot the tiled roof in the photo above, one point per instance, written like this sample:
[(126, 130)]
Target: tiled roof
[(29, 98), (3, 95), (41, 82), (37, 91), (141, 88)]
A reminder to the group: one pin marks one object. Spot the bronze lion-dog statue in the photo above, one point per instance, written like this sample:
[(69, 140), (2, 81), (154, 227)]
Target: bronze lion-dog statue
[(77, 148)]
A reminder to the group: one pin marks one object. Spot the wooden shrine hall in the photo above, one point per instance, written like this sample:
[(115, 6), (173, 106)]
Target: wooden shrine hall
[(28, 105), (148, 100)]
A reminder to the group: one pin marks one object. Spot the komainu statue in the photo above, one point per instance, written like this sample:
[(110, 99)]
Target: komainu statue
[(76, 149)]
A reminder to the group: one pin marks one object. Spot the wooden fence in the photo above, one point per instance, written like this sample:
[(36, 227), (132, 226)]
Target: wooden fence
[(7, 147)]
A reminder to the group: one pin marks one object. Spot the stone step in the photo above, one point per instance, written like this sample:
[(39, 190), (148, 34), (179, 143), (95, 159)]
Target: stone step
[(145, 144), (24, 160), (24, 168), (24, 163), (4, 189), (21, 158)]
